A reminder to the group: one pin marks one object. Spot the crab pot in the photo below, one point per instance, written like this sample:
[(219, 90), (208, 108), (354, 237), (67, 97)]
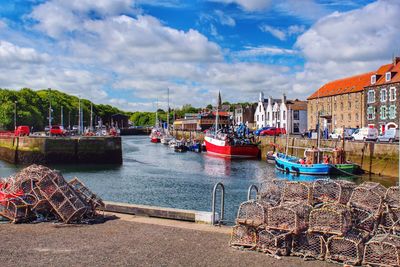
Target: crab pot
[(347, 249), (271, 192), (330, 219), (364, 219), (389, 220), (327, 190), (382, 250), (243, 236), (292, 217), (65, 202), (309, 244), (86, 194), (251, 213), (16, 210), (274, 242), (368, 196), (392, 197), (297, 192)]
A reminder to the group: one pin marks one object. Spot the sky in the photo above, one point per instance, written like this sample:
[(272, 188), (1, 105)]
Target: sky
[(127, 53)]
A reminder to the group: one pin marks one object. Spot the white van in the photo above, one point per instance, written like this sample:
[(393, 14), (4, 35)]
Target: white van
[(391, 135), (365, 134)]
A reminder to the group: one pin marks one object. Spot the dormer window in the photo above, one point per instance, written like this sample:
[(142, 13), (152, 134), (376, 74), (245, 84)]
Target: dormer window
[(373, 79), (388, 76)]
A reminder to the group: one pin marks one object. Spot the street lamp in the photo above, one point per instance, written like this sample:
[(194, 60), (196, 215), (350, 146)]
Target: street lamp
[(15, 115)]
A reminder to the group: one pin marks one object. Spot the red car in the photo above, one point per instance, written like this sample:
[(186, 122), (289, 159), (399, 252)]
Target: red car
[(273, 131), (57, 130), (22, 131)]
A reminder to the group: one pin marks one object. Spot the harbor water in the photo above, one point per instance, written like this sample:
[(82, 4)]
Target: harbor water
[(153, 174)]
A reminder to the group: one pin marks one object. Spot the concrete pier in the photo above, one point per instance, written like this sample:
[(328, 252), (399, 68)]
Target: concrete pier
[(65, 150)]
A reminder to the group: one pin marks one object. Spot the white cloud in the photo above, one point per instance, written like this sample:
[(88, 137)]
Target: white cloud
[(280, 34), (345, 44), (248, 5), (225, 19), (308, 10), (251, 51), (11, 54)]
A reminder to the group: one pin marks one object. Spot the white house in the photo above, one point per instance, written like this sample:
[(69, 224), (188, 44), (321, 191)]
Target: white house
[(281, 113)]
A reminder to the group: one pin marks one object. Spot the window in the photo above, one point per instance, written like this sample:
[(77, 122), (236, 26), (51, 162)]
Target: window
[(373, 79), (383, 95), (357, 117), (259, 108), (296, 115), (268, 116), (383, 112), (371, 113), (341, 117), (371, 96), (341, 105), (334, 106), (349, 116), (262, 117), (349, 105), (392, 112), (392, 93), (258, 118), (284, 115), (388, 76), (296, 128)]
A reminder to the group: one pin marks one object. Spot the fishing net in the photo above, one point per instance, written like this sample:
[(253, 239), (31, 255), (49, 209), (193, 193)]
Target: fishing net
[(348, 248), (251, 213), (274, 242), (327, 190), (368, 196), (271, 192), (330, 219), (291, 217), (382, 250), (392, 197), (309, 245), (297, 192), (243, 236)]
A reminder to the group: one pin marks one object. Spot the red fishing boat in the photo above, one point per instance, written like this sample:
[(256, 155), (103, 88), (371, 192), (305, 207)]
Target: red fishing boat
[(226, 148)]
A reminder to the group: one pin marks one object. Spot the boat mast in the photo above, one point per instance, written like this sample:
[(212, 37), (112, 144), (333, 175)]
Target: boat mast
[(156, 112), (168, 110), (216, 120)]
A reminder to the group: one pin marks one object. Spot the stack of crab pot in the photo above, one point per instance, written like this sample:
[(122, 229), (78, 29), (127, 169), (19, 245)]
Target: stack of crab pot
[(333, 220)]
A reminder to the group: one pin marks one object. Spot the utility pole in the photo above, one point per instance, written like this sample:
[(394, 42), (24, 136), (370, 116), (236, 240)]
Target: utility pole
[(168, 112), (50, 110), (15, 115), (79, 114), (62, 117), (91, 116), (69, 120)]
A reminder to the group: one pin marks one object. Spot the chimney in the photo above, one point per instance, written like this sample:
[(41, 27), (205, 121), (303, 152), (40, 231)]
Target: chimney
[(283, 98), (261, 99), (396, 60)]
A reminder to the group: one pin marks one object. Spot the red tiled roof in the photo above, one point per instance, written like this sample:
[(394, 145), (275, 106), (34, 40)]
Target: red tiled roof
[(221, 113), (394, 69), (347, 85)]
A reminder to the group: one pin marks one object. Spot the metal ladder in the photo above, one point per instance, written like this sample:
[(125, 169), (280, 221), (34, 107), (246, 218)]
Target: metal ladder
[(214, 196)]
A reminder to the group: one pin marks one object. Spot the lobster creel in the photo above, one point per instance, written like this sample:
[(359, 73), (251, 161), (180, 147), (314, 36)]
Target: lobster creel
[(292, 217), (382, 250), (274, 242), (330, 219), (243, 236)]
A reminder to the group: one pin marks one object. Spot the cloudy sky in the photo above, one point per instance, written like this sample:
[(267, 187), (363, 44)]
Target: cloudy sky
[(128, 52)]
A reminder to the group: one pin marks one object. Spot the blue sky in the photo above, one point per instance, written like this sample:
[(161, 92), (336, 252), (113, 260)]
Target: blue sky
[(128, 52)]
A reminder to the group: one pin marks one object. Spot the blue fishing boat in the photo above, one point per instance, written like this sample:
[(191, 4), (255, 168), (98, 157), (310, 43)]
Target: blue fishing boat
[(291, 164)]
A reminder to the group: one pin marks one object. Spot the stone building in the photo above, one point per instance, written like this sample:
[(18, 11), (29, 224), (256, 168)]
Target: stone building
[(340, 103), (245, 114), (382, 97)]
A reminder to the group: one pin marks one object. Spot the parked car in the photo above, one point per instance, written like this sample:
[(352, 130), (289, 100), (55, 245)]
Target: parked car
[(47, 129), (390, 135), (22, 131), (258, 131), (273, 131), (365, 134), (57, 130), (339, 134)]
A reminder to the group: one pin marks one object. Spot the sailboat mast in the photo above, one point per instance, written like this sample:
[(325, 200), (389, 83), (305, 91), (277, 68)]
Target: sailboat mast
[(216, 121), (168, 111), (157, 112)]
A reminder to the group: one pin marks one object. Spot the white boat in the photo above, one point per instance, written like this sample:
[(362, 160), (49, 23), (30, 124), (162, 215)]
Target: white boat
[(172, 143), (166, 139)]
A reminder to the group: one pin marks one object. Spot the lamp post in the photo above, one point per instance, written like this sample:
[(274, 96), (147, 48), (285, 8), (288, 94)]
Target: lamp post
[(15, 115)]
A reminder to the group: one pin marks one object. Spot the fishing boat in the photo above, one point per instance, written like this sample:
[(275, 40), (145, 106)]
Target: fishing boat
[(345, 168), (180, 147), (165, 139), (292, 164)]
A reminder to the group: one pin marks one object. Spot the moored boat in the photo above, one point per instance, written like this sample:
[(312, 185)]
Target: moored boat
[(225, 148), (291, 164)]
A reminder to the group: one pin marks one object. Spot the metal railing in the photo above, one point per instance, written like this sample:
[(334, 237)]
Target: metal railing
[(251, 187), (214, 196)]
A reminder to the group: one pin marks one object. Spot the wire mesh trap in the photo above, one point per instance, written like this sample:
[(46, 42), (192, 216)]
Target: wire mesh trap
[(330, 219), (292, 217), (309, 245), (382, 250), (368, 196), (392, 197), (87, 195), (348, 248), (251, 213), (274, 242), (327, 190), (271, 192), (390, 220), (243, 236), (364, 219), (297, 192), (16, 210)]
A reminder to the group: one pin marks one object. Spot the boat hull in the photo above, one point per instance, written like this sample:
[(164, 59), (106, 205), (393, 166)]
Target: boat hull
[(155, 140), (219, 147), (350, 168), (313, 169)]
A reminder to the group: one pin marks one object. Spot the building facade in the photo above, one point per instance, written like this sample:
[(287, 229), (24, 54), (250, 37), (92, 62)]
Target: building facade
[(382, 97), (245, 115), (281, 113), (339, 103)]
